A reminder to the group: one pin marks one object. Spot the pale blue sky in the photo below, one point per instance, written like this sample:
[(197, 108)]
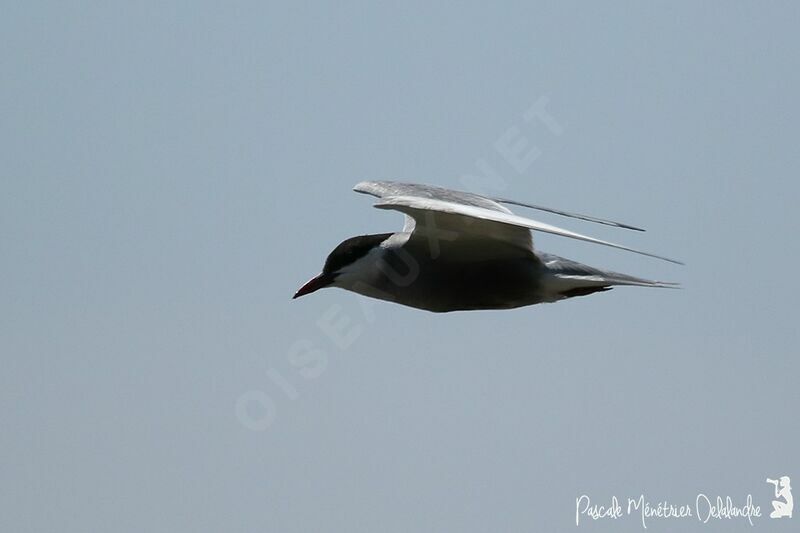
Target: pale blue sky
[(172, 174)]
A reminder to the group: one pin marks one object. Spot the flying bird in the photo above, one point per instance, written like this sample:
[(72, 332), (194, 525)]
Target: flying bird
[(462, 251)]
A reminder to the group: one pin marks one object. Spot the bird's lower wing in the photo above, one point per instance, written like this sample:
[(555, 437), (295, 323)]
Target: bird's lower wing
[(575, 274), (417, 208)]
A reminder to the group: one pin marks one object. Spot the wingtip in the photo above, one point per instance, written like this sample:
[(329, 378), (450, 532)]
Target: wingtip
[(634, 228), (370, 187), (648, 254)]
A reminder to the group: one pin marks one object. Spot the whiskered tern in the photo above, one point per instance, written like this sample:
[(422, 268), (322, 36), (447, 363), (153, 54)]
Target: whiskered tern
[(461, 251)]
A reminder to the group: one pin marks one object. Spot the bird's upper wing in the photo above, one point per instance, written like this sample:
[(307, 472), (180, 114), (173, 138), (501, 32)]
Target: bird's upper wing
[(382, 189), (439, 211)]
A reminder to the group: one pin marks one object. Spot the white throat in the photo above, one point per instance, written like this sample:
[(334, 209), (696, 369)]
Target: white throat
[(362, 271)]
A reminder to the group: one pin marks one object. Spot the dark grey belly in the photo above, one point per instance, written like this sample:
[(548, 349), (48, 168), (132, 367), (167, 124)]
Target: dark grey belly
[(442, 285)]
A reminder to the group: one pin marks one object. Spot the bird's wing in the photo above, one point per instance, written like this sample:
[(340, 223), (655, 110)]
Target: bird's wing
[(441, 224), (438, 212), (382, 189), (577, 274), (485, 222)]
